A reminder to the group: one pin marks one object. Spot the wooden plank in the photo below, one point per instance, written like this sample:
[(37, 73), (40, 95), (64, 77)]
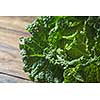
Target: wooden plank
[(10, 59)]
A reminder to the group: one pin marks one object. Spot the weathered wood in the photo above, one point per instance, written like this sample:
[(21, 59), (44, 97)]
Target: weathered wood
[(10, 59)]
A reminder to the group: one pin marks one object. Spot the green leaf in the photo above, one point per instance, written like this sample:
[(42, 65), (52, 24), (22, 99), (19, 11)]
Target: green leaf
[(62, 49)]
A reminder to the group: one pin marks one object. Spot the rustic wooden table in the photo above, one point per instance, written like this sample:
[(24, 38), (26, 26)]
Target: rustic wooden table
[(11, 66)]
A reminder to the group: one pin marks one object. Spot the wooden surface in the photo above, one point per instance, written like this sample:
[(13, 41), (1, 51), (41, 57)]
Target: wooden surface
[(11, 66)]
